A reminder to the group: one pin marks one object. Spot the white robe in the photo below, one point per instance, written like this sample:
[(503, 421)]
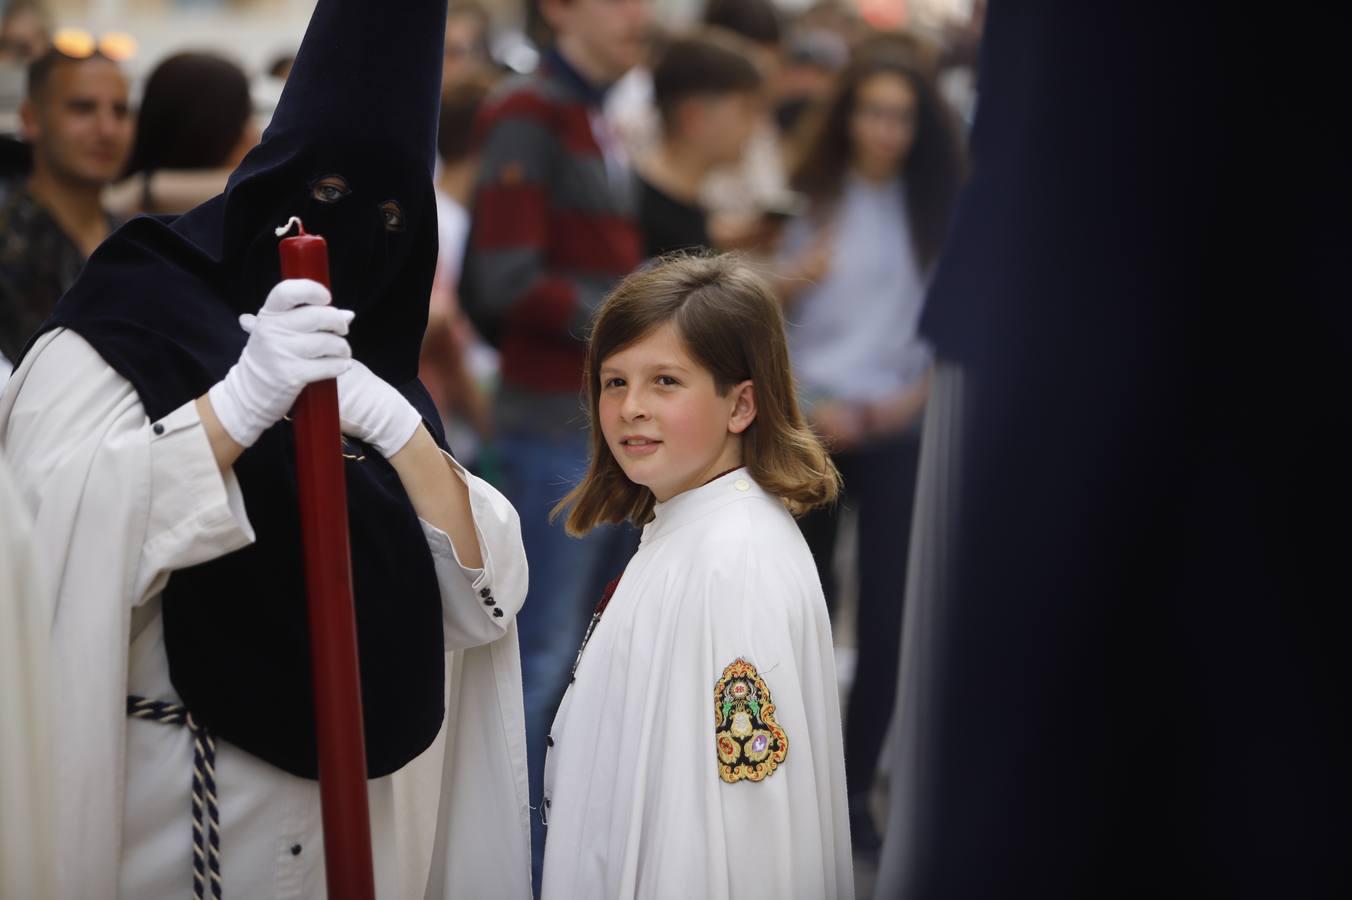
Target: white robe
[(27, 847), (636, 804), (117, 506)]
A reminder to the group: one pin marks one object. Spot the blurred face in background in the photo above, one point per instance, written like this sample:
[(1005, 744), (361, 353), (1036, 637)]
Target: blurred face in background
[(464, 55), (721, 124), (603, 38), (23, 36), (80, 125), (882, 125)]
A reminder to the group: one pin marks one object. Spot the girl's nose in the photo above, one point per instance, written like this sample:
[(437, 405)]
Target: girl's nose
[(633, 408)]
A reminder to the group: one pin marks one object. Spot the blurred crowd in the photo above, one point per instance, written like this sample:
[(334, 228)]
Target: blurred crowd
[(826, 149)]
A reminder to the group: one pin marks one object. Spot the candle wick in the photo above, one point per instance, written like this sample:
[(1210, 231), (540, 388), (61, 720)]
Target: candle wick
[(294, 220)]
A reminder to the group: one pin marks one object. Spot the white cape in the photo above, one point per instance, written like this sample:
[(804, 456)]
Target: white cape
[(27, 851), (117, 505), (637, 806)]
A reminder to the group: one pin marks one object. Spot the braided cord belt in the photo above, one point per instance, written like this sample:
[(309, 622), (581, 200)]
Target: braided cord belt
[(206, 839)]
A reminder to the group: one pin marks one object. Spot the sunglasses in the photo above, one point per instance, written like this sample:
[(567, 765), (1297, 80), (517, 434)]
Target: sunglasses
[(76, 43)]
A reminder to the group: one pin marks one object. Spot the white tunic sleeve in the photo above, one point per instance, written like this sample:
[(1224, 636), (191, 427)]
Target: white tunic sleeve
[(27, 841), (196, 510), (787, 835), (66, 394), (117, 504), (478, 604)]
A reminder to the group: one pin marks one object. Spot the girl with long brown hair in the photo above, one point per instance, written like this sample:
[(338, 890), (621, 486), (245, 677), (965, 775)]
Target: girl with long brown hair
[(880, 170), (703, 706)]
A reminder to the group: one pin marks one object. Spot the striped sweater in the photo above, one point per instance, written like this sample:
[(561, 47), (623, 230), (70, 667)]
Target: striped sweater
[(553, 230)]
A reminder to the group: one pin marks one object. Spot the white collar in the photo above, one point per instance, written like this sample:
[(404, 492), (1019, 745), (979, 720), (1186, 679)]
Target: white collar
[(696, 503)]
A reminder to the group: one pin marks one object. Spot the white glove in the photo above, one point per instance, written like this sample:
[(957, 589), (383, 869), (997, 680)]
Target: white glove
[(368, 407), (374, 411), (296, 339)]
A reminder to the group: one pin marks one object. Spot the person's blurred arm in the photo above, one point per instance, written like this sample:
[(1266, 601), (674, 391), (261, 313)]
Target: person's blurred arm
[(900, 411), (843, 425), (444, 365), (467, 398), (173, 191), (751, 233), (804, 267), (123, 199)]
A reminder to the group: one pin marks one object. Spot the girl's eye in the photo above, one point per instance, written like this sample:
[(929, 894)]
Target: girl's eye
[(613, 382), (667, 381), (330, 190), (392, 216)]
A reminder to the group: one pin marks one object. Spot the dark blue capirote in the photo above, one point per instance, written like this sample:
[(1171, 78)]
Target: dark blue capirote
[(159, 301)]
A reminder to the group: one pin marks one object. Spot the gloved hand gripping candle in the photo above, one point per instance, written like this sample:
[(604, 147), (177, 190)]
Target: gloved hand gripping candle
[(333, 631)]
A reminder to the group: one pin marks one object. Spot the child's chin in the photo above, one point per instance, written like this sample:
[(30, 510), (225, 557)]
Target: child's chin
[(639, 473), (636, 474)]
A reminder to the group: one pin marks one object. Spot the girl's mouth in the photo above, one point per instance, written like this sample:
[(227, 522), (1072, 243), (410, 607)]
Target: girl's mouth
[(639, 446)]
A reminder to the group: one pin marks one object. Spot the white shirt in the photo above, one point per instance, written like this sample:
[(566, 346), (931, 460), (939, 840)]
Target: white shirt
[(853, 335), (118, 506), (632, 112), (452, 236), (636, 803)]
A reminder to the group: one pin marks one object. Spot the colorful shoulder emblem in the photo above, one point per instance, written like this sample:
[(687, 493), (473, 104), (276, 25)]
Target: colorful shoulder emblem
[(749, 742)]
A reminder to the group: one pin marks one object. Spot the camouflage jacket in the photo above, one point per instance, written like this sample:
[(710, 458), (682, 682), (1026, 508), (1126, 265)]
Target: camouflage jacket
[(38, 262)]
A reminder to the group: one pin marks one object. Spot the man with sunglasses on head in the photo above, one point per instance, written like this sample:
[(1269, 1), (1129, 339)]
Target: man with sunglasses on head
[(76, 119)]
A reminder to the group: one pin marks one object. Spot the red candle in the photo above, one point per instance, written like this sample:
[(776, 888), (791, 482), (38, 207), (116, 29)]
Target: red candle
[(304, 255), (333, 627)]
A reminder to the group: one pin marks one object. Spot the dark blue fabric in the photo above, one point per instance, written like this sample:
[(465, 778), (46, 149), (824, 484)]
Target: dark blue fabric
[(160, 299), (1134, 636)]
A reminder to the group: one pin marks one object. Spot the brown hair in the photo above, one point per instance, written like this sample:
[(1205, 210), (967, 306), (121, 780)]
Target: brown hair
[(755, 20), (932, 171), (194, 110), (459, 105), (711, 62), (40, 70), (732, 326)]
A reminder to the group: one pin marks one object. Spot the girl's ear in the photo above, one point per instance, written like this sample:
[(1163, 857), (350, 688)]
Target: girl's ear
[(743, 407)]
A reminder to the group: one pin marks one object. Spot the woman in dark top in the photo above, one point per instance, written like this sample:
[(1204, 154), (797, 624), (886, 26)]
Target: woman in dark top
[(196, 119), (880, 172)]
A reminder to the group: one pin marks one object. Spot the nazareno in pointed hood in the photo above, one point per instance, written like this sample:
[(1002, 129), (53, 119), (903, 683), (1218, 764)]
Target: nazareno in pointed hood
[(361, 103), (160, 301)]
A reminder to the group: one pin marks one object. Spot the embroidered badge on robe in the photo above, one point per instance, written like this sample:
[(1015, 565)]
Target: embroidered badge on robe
[(748, 741)]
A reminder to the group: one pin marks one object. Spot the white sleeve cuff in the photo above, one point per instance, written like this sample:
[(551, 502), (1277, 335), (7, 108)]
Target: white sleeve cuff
[(196, 512), (478, 604)]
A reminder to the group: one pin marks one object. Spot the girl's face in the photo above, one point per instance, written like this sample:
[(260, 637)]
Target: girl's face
[(663, 418), (882, 125)]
